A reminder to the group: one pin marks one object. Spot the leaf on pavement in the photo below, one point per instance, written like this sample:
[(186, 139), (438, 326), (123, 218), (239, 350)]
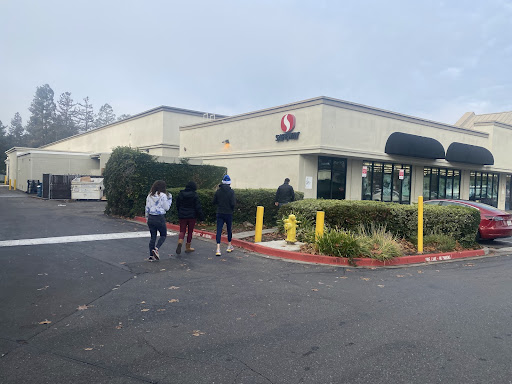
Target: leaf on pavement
[(173, 287), (143, 302), (399, 275), (45, 322), (174, 301), (122, 262), (87, 349), (365, 278), (82, 307), (144, 310), (197, 332), (44, 288), (380, 285), (315, 289), (160, 310), (119, 326)]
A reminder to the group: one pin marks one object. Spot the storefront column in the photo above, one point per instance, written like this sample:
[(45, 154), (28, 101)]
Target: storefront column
[(464, 184), (502, 190), (354, 184), (416, 183)]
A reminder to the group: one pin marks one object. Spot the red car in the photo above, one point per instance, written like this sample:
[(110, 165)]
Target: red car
[(494, 222)]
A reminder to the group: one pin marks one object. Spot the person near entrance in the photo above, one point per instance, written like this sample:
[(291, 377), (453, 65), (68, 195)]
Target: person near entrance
[(285, 193), (225, 201)]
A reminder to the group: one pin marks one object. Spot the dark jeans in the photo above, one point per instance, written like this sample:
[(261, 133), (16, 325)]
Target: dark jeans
[(184, 223), (156, 223), (221, 219)]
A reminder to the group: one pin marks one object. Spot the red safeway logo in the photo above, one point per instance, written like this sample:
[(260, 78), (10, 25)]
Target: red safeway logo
[(287, 123)]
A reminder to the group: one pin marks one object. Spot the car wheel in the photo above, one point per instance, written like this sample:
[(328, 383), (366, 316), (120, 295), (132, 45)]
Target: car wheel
[(478, 237)]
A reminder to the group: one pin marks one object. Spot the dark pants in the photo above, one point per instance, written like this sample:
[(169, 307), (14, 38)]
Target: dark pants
[(221, 219), (184, 223), (156, 223)]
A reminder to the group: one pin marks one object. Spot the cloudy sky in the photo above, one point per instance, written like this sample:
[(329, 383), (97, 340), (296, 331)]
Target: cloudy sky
[(429, 59)]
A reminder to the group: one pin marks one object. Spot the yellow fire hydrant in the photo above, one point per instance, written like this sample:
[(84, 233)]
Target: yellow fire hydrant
[(290, 226)]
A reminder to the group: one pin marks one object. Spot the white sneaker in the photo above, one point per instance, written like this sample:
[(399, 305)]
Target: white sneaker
[(230, 249)]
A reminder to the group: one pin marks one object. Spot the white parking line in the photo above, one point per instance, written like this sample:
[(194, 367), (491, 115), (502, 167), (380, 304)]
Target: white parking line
[(77, 239)]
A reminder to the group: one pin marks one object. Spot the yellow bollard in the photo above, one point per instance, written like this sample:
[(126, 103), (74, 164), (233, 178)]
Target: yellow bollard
[(420, 224), (259, 224), (319, 230), (14, 184), (10, 184)]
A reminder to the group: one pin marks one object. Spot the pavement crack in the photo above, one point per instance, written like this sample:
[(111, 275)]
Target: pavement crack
[(253, 370)]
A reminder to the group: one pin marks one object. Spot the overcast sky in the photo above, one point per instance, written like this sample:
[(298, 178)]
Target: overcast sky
[(429, 59)]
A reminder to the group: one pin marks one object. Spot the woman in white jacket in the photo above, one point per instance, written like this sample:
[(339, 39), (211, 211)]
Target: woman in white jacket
[(158, 203)]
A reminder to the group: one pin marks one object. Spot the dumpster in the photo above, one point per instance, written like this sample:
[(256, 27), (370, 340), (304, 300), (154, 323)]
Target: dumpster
[(87, 188)]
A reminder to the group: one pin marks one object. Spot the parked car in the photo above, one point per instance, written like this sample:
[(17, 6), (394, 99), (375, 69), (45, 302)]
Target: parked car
[(494, 222)]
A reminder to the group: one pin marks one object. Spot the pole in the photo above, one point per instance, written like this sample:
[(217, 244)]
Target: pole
[(319, 230), (420, 224), (259, 224)]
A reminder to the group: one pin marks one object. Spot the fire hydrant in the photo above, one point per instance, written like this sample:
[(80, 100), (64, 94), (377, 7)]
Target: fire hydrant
[(290, 226)]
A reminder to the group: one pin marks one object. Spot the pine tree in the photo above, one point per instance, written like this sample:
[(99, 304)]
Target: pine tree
[(16, 131), (123, 117), (66, 116), (85, 116), (41, 126), (105, 116), (4, 146)]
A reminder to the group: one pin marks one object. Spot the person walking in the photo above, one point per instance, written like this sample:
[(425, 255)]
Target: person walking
[(189, 209), (225, 200), (285, 193), (158, 203)]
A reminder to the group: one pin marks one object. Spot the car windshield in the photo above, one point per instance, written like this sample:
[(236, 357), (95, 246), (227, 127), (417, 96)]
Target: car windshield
[(487, 207)]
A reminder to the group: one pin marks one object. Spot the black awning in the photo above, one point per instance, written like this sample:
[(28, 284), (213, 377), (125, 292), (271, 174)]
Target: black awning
[(405, 144), (472, 154)]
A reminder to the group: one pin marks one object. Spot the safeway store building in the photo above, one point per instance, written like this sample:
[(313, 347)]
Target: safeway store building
[(329, 149)]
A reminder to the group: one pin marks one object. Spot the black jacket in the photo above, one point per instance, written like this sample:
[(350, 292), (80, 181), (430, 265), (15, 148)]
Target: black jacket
[(225, 200), (188, 205), (285, 194)]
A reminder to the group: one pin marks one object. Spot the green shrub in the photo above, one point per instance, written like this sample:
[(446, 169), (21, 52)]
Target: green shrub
[(461, 223), (339, 243), (441, 242), (129, 174), (378, 243)]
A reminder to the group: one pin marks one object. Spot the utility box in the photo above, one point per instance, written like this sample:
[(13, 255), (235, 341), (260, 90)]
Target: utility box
[(87, 188)]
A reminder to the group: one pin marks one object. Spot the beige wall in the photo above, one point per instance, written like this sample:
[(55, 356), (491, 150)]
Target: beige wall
[(143, 131), (254, 172), (31, 166), (330, 128)]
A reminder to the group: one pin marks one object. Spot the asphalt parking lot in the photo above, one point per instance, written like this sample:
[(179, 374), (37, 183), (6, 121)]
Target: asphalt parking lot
[(96, 312)]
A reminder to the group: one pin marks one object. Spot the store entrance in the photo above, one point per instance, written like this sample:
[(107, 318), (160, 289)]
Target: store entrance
[(332, 178)]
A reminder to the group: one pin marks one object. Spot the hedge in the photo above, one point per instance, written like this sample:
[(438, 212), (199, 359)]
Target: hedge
[(129, 175), (461, 223), (247, 201)]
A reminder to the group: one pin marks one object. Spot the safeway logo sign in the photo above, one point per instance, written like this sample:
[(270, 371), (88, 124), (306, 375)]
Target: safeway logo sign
[(287, 123), (287, 126)]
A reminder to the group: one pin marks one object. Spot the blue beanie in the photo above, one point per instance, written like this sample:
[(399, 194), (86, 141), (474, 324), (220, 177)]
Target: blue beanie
[(226, 180)]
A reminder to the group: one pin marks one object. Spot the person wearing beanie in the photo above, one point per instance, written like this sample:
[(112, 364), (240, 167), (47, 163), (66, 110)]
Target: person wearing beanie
[(189, 209), (225, 201)]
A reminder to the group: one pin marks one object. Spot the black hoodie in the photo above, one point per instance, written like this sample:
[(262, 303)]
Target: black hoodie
[(188, 205), (225, 199)]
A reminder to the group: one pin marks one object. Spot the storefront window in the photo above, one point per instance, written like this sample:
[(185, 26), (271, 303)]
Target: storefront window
[(483, 188), (332, 173), (441, 183), (386, 182)]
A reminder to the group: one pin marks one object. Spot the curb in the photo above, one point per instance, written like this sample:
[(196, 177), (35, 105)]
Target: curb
[(330, 260)]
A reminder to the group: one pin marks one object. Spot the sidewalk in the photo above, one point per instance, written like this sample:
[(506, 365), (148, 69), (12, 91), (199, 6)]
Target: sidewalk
[(279, 248)]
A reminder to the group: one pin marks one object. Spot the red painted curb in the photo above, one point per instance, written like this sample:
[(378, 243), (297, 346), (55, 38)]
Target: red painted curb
[(320, 259)]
